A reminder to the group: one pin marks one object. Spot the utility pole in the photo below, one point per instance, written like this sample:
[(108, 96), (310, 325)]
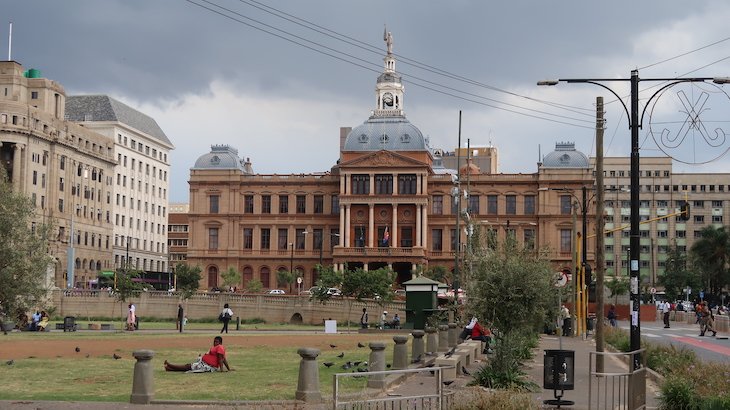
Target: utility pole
[(600, 256), (457, 203)]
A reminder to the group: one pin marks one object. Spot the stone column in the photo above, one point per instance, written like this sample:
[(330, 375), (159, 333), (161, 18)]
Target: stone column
[(418, 225), (143, 384), (343, 228), (400, 353), (432, 341), (453, 334), (377, 364), (417, 347), (394, 232), (443, 338), (348, 241), (371, 225), (308, 385)]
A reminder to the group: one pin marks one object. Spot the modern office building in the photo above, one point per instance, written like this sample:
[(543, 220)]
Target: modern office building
[(139, 195)]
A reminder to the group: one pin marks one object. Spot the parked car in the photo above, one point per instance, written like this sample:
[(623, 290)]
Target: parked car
[(276, 292), (400, 294), (334, 292)]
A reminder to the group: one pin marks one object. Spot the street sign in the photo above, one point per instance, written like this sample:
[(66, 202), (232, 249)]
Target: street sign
[(299, 280), (561, 280), (702, 294), (652, 290)]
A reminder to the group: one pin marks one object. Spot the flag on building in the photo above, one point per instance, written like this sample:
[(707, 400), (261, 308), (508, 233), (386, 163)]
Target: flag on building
[(386, 236)]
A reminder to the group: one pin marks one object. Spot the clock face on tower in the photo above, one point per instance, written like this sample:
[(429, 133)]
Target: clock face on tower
[(388, 100)]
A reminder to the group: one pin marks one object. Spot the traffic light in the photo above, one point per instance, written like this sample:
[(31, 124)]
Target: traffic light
[(684, 211)]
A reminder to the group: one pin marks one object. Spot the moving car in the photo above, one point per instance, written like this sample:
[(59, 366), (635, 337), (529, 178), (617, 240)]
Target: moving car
[(276, 292)]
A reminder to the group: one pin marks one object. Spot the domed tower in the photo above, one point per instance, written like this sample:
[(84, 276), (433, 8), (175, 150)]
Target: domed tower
[(384, 169)]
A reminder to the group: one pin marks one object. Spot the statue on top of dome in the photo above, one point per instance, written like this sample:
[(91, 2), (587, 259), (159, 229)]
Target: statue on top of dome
[(388, 38)]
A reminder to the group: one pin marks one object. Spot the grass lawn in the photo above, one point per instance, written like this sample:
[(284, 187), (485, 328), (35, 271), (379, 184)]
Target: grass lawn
[(266, 365)]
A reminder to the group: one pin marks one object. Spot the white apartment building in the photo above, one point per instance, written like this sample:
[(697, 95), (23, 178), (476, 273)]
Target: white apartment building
[(140, 180)]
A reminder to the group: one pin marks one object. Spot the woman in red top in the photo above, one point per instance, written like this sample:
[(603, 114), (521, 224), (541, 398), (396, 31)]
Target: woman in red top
[(479, 333), (212, 361)]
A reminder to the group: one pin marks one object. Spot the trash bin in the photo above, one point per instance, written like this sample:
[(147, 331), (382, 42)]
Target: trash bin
[(69, 324), (559, 369), (567, 327), (591, 322)]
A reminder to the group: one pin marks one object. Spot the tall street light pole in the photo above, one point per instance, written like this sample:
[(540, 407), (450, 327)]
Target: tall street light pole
[(635, 123)]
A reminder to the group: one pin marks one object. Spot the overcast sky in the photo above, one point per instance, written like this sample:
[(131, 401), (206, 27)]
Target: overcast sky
[(280, 92)]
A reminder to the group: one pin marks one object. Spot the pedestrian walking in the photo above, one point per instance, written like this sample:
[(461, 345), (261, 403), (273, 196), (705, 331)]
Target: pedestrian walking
[(611, 316), (707, 321), (225, 317), (180, 316), (665, 308), (364, 318)]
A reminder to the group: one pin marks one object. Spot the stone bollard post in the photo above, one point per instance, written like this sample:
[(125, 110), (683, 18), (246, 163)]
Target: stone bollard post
[(432, 340), (308, 385), (417, 347), (443, 338), (377, 364), (400, 353), (143, 382), (453, 334)]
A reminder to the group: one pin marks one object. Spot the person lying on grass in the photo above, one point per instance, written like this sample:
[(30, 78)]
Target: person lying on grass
[(213, 361)]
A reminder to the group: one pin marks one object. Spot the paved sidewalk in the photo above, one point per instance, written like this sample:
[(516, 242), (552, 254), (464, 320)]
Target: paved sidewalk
[(581, 372)]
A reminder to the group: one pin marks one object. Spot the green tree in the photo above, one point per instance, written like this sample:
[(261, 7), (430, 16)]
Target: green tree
[(617, 285), (676, 275), (285, 278), (512, 287), (127, 287), (360, 284), (254, 286), (438, 273), (231, 277), (24, 259), (328, 278), (188, 279), (710, 255)]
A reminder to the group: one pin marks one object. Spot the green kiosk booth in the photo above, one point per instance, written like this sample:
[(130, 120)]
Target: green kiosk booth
[(421, 301)]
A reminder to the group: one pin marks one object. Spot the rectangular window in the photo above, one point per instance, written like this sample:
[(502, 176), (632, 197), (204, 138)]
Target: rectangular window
[(212, 238), (335, 205), (283, 204), (301, 204), (319, 204), (406, 237), (699, 219), (384, 184), (407, 184), (248, 204), (717, 204), (247, 238), (317, 239), (214, 203), (436, 237), (492, 205), (474, 204), (510, 204), (265, 238), (60, 184), (360, 184), (566, 206), (283, 239), (529, 238), (453, 239), (437, 202), (529, 204), (566, 236), (300, 238), (265, 204)]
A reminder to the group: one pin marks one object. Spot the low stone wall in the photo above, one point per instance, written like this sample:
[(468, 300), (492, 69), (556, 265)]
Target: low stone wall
[(272, 308)]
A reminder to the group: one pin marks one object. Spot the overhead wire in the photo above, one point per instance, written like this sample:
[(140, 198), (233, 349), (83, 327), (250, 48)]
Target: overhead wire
[(299, 41)]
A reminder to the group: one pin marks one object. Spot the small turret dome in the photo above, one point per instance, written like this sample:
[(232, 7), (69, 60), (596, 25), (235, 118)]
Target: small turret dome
[(565, 156), (222, 157)]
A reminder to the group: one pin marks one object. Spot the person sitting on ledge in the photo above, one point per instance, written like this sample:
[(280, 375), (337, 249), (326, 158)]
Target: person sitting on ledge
[(213, 361)]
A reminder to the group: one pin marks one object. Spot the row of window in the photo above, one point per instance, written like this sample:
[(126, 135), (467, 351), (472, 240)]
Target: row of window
[(474, 205), (120, 220), (300, 204), (407, 184), (161, 192), (140, 147), (134, 243), (122, 201), (283, 240), (161, 174), (140, 263), (663, 203), (673, 188)]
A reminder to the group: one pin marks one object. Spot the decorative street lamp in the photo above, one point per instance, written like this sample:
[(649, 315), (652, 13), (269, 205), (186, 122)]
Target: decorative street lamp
[(635, 123)]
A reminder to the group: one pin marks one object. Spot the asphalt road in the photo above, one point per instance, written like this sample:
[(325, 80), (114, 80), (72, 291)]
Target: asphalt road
[(707, 348)]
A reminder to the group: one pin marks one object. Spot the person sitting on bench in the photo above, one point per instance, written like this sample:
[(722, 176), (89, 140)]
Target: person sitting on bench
[(481, 334)]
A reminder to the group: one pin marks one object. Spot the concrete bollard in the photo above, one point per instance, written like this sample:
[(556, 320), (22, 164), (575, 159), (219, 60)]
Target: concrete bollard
[(377, 364), (308, 385), (400, 353), (443, 338), (432, 340), (143, 382), (417, 347), (453, 334)]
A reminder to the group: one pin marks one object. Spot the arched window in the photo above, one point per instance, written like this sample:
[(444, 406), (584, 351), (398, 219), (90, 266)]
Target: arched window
[(98, 265), (212, 277), (91, 264), (78, 263), (247, 275), (264, 274)]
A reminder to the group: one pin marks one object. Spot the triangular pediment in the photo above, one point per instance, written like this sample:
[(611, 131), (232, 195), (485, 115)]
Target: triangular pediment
[(383, 158)]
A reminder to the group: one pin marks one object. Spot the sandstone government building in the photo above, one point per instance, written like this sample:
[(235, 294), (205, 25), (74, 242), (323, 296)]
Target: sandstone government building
[(98, 169)]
